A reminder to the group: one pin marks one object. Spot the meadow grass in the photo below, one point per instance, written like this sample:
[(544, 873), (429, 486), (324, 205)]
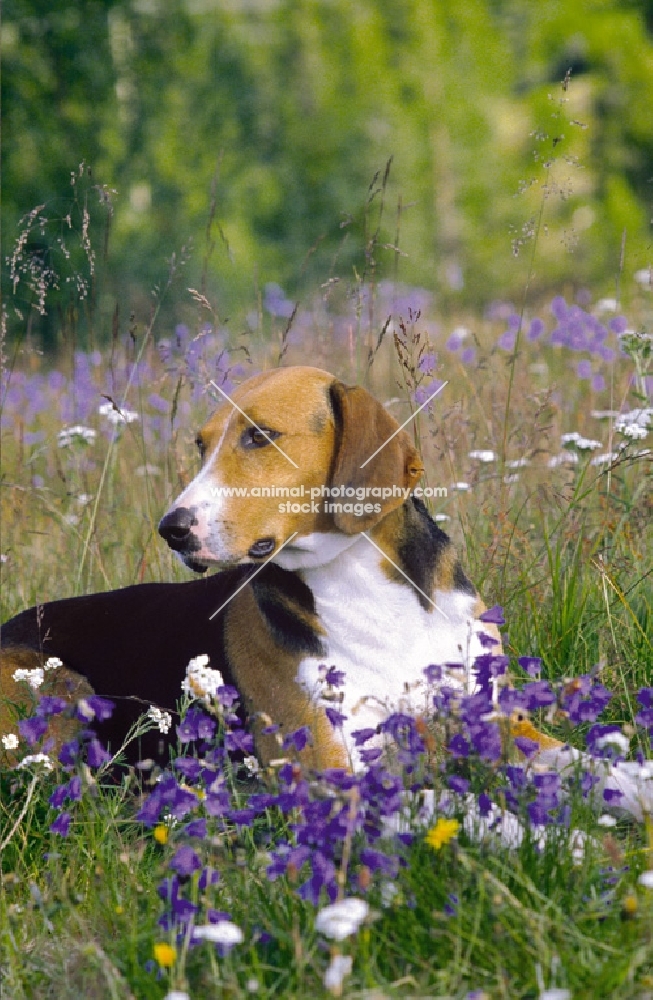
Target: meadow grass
[(559, 537)]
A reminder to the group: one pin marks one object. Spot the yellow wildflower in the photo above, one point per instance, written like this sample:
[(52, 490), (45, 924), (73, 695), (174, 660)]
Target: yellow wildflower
[(443, 831), (164, 954), (161, 834)]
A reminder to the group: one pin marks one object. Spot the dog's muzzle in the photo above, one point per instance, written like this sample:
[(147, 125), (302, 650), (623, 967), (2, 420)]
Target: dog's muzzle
[(176, 526)]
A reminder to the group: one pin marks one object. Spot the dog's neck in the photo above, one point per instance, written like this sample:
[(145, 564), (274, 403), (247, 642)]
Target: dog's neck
[(378, 631)]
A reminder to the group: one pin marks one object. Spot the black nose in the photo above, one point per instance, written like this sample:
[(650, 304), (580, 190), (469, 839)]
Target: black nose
[(175, 528)]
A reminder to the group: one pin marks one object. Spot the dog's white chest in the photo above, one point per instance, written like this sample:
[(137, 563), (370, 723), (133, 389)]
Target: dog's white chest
[(379, 634)]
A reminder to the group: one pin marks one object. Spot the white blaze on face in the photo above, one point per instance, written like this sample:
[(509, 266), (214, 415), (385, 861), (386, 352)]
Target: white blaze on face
[(202, 497)]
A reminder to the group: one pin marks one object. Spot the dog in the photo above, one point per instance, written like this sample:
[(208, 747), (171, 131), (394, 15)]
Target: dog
[(306, 506)]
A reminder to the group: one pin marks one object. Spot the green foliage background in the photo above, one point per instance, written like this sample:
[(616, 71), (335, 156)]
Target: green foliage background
[(292, 105)]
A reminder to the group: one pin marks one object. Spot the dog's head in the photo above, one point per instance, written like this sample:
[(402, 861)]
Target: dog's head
[(292, 454)]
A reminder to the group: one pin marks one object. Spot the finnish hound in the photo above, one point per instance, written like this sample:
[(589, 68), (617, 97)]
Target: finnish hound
[(305, 505)]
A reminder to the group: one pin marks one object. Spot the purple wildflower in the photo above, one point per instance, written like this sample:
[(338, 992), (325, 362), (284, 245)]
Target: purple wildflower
[(196, 828), (528, 747), (96, 755), (645, 697), (69, 753), (484, 804), (376, 861), (427, 363), (458, 746), (486, 739), (433, 674), (227, 696), (239, 741), (536, 329), (51, 705), (531, 664), (94, 707), (362, 736), (209, 876), (32, 729), (493, 616), (507, 340), (335, 717), (185, 861), (538, 694), (298, 740), (61, 824), (424, 393)]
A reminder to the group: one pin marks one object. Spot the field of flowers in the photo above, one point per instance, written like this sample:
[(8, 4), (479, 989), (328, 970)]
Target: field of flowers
[(449, 867)]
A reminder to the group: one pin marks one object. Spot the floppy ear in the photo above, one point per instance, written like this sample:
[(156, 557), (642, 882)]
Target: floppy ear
[(362, 427)]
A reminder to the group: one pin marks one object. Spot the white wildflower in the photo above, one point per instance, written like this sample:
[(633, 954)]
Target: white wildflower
[(604, 459), (578, 843), (646, 879), (389, 892), (555, 994), (643, 276), (339, 967), (517, 463), (201, 681), (78, 434), (36, 758), (342, 919), (177, 995), (83, 499), (252, 765), (52, 663), (606, 820), (462, 487), (115, 415), (607, 305), (442, 517), (618, 740), (224, 932), (575, 440), (483, 456), (33, 677), (566, 458), (634, 431), (10, 741), (252, 985), (162, 719), (635, 423)]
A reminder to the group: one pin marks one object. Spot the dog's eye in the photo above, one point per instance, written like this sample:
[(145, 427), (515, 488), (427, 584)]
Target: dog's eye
[(201, 447), (252, 437)]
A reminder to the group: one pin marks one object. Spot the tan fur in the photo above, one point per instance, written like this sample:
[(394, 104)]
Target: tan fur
[(489, 627), (18, 701), (366, 426), (265, 676)]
